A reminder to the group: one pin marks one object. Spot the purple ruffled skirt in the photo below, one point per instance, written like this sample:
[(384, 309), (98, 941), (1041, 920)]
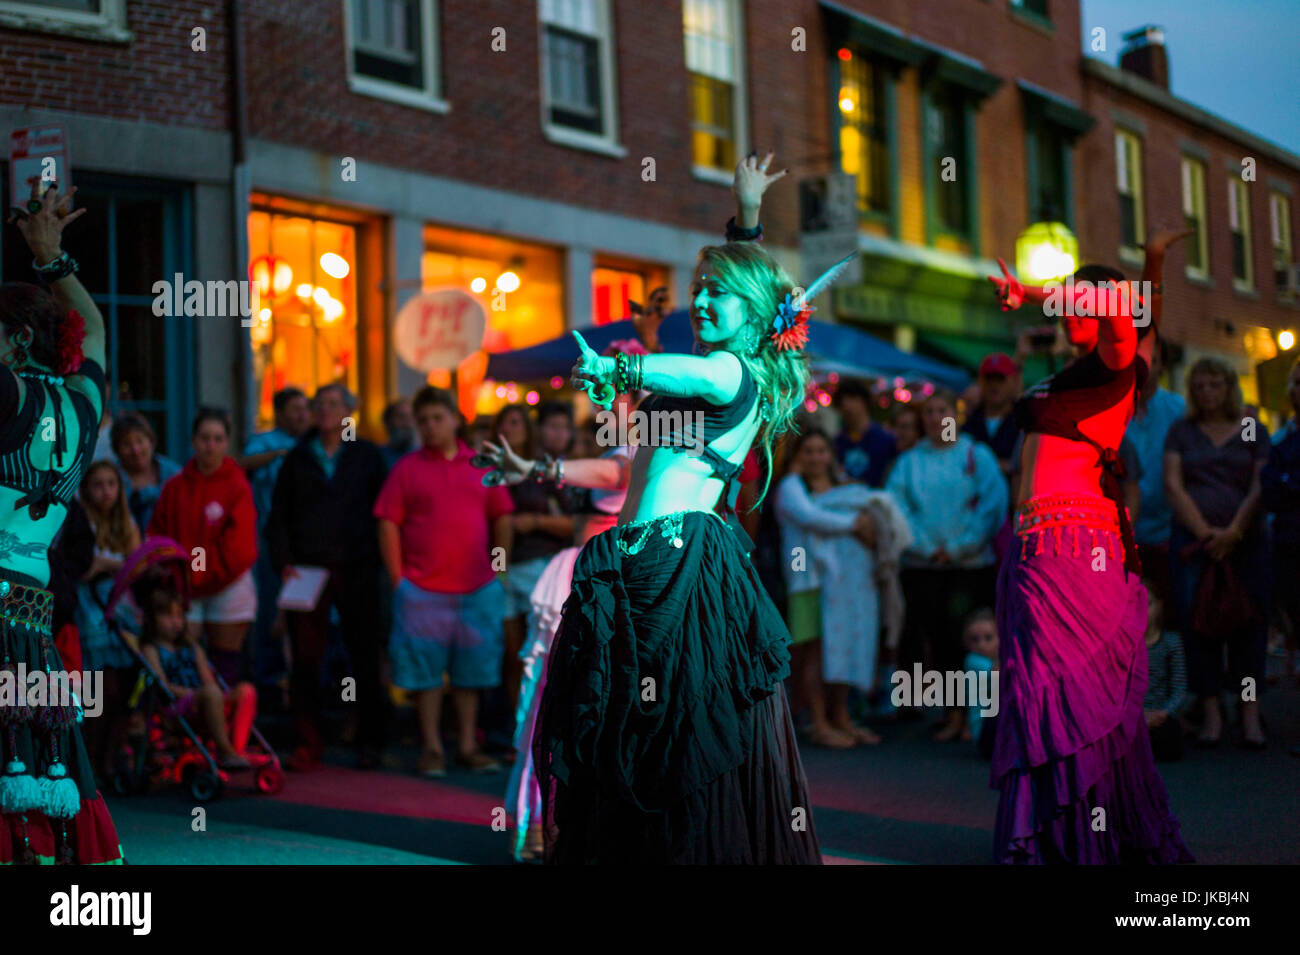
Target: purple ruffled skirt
[(1072, 760)]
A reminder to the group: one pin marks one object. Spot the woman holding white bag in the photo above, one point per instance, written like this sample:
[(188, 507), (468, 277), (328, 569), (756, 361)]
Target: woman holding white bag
[(831, 534)]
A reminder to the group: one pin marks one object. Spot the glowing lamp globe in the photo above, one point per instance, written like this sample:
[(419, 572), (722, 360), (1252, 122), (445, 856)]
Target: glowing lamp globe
[(1045, 252)]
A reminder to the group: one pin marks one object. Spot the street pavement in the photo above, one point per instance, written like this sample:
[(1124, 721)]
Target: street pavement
[(908, 801)]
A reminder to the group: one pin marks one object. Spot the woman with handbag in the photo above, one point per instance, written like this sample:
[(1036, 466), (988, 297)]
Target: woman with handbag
[(1218, 548)]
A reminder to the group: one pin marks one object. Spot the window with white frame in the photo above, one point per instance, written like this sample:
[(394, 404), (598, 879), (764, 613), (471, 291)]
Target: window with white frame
[(1279, 212), (1243, 272), (1128, 182), (103, 19), (394, 49), (715, 64), (1198, 257), (578, 68)]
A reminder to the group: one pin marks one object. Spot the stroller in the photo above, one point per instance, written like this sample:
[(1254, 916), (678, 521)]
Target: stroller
[(170, 751)]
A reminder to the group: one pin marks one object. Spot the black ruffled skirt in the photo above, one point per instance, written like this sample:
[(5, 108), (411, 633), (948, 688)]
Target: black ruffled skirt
[(664, 735)]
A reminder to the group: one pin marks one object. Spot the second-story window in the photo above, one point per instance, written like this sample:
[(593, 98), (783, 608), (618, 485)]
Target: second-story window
[(577, 67), (1194, 217), (947, 116), (1128, 182), (864, 130), (394, 48), (1243, 272), (1032, 6), (1279, 211), (715, 64)]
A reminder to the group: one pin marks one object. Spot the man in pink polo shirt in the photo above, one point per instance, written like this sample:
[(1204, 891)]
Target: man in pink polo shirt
[(438, 530)]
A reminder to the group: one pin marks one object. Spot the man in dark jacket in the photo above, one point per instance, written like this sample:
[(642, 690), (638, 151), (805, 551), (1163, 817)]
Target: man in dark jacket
[(321, 516)]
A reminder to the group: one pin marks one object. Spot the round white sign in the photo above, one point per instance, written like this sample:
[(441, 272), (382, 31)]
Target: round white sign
[(439, 329)]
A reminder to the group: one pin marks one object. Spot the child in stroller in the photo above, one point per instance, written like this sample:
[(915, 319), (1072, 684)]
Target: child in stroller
[(182, 668)]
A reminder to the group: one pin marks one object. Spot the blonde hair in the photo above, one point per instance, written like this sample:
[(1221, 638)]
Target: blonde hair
[(1232, 402), (115, 529), (781, 377)]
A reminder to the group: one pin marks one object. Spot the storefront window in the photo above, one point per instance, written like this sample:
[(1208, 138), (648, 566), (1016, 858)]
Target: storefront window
[(618, 288), (303, 273), (520, 285)]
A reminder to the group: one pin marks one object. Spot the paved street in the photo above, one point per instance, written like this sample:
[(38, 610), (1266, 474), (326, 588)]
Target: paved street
[(908, 801)]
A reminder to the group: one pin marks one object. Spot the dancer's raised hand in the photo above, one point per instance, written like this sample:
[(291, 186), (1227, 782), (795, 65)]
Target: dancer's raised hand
[(752, 180), (1162, 238), (592, 373), (1010, 292), (503, 458)]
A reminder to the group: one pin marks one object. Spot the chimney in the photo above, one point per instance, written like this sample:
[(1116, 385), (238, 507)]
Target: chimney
[(1144, 54)]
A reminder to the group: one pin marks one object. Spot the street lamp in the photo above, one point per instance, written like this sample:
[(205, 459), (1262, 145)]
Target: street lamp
[(1045, 252)]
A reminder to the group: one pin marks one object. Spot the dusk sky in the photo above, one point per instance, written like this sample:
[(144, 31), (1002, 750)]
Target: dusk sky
[(1239, 59)]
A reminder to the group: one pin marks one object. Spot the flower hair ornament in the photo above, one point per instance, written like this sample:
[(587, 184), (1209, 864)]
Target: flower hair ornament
[(790, 327), (69, 337)]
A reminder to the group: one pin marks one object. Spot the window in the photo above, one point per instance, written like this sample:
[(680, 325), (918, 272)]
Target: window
[(864, 131), (578, 71), (394, 50), (1279, 211), (1049, 158), (951, 171), (715, 62), (100, 19), (1031, 6), (135, 232), (306, 328), (1243, 273), (1198, 258), (1128, 182)]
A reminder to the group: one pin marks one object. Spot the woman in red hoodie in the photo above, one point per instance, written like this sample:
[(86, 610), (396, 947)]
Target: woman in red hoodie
[(208, 509)]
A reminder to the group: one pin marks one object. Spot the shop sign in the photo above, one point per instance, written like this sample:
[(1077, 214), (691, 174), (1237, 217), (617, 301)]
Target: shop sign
[(439, 329)]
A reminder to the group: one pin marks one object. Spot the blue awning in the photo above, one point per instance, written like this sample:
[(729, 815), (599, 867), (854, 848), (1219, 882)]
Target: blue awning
[(831, 347)]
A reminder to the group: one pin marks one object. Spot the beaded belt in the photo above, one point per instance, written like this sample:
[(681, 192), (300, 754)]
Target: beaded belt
[(672, 530), (24, 606), (1057, 515)]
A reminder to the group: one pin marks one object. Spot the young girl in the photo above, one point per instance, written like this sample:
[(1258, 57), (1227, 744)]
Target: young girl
[(1166, 697), (103, 498), (980, 636), (181, 665)]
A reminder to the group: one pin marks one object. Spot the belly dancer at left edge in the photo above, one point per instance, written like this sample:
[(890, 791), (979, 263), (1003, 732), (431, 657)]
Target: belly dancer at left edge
[(51, 397)]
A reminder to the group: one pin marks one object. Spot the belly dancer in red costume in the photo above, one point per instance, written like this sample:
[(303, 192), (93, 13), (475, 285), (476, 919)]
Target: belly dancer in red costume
[(1072, 760), (51, 399)]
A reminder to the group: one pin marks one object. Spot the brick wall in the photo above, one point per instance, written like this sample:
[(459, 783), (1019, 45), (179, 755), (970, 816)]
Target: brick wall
[(156, 77)]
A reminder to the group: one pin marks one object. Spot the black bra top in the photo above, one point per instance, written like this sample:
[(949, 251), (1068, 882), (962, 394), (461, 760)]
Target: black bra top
[(717, 419), (20, 425)]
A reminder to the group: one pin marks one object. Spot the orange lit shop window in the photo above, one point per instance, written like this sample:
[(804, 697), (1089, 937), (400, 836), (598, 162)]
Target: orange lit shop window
[(612, 292), (519, 284), (304, 331)]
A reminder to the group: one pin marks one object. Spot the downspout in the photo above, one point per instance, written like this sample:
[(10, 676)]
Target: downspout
[(245, 389)]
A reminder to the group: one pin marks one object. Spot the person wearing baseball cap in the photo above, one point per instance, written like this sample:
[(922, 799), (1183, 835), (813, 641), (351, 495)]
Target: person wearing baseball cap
[(991, 421)]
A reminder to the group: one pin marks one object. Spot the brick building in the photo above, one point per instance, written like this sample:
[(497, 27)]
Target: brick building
[(353, 152)]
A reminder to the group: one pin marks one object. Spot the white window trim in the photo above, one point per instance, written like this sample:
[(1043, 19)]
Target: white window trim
[(1127, 252), (428, 98), (1203, 239), (108, 25), (605, 142), (739, 100)]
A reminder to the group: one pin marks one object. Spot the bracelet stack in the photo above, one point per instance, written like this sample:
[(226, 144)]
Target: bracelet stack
[(548, 469), (59, 268), (627, 373), (736, 234)]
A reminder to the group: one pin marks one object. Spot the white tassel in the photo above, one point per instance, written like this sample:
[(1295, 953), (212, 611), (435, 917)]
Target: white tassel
[(60, 798), (18, 793)]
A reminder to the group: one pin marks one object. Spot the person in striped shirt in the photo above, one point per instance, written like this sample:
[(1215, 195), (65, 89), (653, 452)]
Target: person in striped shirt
[(1167, 687)]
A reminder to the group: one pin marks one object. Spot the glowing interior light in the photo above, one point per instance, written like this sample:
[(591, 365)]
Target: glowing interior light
[(508, 282), (264, 314), (1286, 340), (320, 297), (283, 278), (334, 265), (532, 397), (333, 310), (478, 285), (304, 291), (846, 104)]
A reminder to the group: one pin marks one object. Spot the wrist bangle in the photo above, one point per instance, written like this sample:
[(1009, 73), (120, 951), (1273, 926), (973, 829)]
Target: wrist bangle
[(60, 267), (736, 234)]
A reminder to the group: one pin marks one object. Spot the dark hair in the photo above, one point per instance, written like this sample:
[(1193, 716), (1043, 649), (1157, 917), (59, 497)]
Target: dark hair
[(913, 411), (1097, 274), (22, 303), (552, 408), (529, 448), (285, 395), (209, 413), (390, 410), (156, 591), (429, 395), (802, 437), (852, 388), (126, 425), (976, 616)]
